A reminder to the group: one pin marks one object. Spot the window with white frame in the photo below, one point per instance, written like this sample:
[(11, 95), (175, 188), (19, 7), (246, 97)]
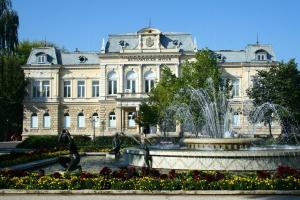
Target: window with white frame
[(235, 88), (67, 88), (46, 88), (47, 121), (112, 83), (131, 119), (96, 120), (81, 89), (34, 120), (42, 58), (149, 81), (131, 81), (112, 120), (41, 88), (235, 119), (261, 55), (36, 89), (95, 89), (81, 121), (67, 120)]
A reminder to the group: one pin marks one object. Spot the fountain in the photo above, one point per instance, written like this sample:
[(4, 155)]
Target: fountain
[(214, 145)]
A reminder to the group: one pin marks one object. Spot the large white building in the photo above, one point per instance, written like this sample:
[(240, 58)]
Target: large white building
[(100, 92)]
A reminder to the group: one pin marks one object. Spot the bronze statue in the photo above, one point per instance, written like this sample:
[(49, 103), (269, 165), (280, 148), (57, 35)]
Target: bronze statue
[(116, 145), (147, 157), (69, 163)]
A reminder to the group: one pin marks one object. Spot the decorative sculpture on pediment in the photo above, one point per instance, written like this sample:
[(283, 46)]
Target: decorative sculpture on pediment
[(149, 41)]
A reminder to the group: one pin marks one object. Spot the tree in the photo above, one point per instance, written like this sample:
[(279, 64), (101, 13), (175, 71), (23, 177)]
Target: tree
[(193, 74), (9, 24), (280, 84)]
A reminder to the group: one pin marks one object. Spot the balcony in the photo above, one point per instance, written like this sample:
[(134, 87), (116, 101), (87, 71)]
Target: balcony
[(127, 96)]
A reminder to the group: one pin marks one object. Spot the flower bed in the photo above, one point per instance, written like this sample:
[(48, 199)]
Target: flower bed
[(285, 178)]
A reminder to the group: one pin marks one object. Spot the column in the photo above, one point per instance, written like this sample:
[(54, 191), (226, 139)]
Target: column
[(177, 70), (118, 118), (141, 78), (121, 79)]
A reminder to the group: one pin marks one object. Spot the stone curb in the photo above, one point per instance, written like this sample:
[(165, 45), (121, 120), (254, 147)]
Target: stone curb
[(140, 192)]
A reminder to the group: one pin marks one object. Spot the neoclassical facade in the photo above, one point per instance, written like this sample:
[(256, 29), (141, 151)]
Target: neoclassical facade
[(99, 93)]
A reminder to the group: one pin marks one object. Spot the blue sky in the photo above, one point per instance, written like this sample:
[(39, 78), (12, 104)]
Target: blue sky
[(217, 24)]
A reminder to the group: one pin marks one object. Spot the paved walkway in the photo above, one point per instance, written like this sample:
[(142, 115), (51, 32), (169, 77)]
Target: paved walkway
[(147, 197)]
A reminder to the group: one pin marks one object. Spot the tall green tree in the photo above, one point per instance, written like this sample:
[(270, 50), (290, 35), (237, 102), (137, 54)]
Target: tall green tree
[(9, 24), (280, 84), (193, 75), (9, 67)]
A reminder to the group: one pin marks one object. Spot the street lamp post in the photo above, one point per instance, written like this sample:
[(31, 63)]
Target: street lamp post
[(94, 119)]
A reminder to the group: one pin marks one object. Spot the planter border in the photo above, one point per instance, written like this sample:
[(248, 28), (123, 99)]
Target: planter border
[(140, 192)]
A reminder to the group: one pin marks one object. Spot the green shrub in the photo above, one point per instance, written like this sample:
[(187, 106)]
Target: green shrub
[(40, 142), (82, 142), (106, 141)]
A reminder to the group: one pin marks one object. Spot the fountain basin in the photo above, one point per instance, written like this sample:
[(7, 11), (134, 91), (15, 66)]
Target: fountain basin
[(219, 143), (231, 160)]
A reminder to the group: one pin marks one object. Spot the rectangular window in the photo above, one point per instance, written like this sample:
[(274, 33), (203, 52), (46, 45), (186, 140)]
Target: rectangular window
[(80, 89), (67, 88), (112, 87), (34, 122), (46, 121), (36, 89), (149, 84), (235, 88), (133, 86), (67, 122), (42, 59), (95, 89), (96, 121), (235, 119), (115, 87), (46, 88), (81, 122)]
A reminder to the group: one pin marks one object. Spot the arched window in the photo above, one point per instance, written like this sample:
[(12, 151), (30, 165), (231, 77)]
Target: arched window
[(131, 82), (112, 120), (96, 120), (67, 120), (34, 120), (46, 120), (261, 55), (149, 81), (81, 121), (112, 83), (131, 119), (41, 58)]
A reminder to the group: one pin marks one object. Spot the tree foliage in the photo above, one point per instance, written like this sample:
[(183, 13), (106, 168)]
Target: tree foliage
[(193, 74), (9, 24), (280, 84)]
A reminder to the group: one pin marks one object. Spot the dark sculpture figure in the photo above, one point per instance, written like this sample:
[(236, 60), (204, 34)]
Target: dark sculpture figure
[(116, 145), (69, 163), (147, 157)]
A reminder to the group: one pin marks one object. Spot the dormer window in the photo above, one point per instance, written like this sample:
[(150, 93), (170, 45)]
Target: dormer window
[(41, 59), (261, 55)]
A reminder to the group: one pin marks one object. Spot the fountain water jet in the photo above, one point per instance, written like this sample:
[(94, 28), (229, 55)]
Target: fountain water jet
[(212, 148)]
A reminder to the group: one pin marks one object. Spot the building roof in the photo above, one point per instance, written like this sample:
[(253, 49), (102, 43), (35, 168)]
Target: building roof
[(169, 40), (57, 57), (80, 58), (248, 54)]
